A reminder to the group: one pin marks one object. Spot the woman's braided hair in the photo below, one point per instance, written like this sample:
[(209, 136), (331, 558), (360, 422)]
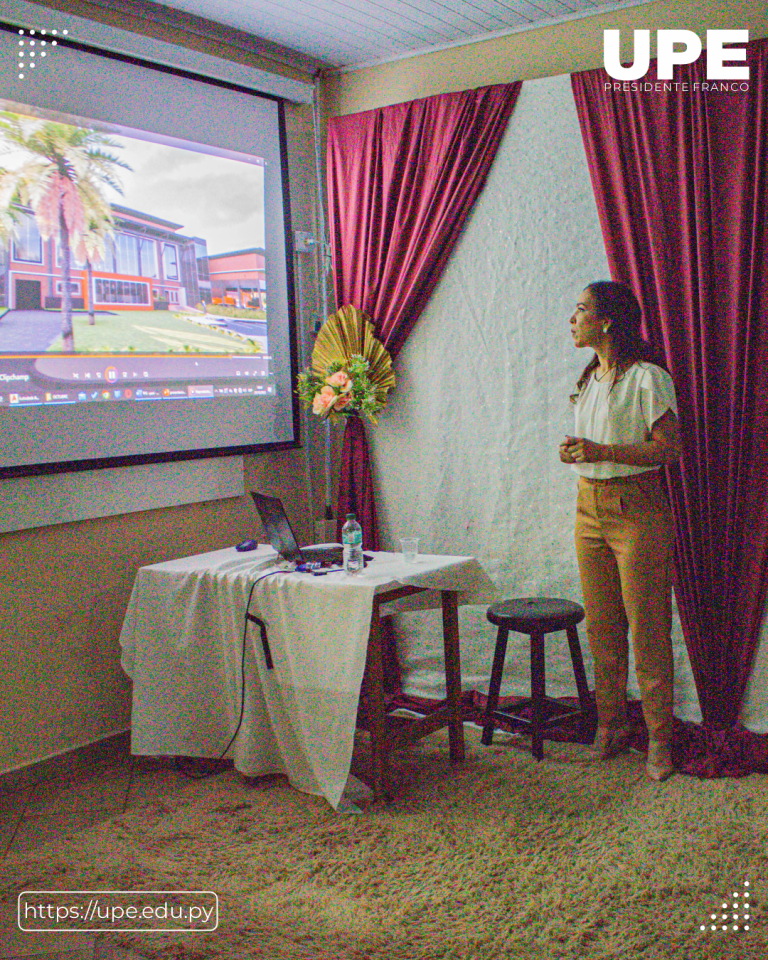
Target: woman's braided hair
[(616, 302)]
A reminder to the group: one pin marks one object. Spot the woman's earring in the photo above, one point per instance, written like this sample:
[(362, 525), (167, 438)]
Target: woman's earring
[(606, 328)]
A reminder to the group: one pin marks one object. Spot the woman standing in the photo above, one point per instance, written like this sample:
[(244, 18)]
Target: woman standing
[(626, 429)]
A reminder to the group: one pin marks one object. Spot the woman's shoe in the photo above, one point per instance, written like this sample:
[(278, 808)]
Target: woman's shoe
[(610, 742), (659, 766)]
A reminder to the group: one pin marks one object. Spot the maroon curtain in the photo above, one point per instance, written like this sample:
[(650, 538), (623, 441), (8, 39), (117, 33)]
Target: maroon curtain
[(681, 181), (402, 181), (356, 485)]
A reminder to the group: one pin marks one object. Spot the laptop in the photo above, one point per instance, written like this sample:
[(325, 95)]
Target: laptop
[(283, 539)]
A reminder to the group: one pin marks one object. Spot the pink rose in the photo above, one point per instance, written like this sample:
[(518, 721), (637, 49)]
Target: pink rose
[(341, 380), (324, 400)]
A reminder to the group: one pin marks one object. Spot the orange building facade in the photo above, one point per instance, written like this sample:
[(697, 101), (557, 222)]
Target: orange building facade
[(238, 278), (148, 265)]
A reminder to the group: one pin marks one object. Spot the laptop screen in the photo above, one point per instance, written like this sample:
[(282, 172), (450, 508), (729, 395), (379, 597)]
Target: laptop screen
[(277, 527)]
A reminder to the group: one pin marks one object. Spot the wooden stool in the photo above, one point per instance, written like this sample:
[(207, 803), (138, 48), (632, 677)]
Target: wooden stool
[(537, 617)]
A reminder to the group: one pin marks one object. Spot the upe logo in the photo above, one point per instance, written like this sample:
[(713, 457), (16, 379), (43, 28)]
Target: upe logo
[(668, 57)]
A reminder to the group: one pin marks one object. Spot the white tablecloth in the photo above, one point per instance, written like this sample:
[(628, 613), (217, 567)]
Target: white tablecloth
[(182, 647)]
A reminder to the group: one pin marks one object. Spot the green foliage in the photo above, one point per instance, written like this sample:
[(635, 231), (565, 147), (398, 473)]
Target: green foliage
[(153, 332), (220, 310), (357, 396), (309, 383)]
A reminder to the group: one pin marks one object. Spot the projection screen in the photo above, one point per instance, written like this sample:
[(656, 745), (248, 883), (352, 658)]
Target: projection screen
[(146, 297)]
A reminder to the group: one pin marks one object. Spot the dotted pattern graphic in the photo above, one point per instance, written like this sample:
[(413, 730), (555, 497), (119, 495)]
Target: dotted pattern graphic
[(731, 915), (32, 49)]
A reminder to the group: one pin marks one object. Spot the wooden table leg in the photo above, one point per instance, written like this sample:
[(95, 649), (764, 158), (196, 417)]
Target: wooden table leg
[(375, 707), (453, 674)]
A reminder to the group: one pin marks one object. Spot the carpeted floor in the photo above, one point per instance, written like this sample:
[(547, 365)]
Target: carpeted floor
[(501, 859)]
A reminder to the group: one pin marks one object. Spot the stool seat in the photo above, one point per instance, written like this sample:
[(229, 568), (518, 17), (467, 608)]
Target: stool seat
[(537, 617)]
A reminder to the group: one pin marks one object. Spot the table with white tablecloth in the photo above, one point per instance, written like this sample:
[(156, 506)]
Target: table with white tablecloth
[(187, 649)]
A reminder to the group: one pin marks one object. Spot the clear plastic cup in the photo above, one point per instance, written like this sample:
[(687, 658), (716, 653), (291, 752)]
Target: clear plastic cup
[(410, 549)]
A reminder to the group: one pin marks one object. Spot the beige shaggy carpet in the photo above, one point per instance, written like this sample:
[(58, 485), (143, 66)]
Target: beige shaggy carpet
[(501, 859)]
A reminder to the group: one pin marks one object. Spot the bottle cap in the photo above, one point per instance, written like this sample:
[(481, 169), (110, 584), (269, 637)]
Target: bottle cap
[(350, 516)]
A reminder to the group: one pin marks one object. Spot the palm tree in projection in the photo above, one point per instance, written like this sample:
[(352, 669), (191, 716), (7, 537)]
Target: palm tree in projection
[(92, 244), (63, 172), (9, 216)]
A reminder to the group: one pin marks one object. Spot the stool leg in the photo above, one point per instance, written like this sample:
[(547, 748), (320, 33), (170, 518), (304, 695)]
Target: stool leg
[(495, 684), (537, 695), (585, 701)]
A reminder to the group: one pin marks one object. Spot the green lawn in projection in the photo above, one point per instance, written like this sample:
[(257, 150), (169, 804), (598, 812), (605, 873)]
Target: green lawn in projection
[(155, 331)]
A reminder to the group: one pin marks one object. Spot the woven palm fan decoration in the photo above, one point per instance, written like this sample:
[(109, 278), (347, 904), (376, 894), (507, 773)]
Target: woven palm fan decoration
[(351, 370)]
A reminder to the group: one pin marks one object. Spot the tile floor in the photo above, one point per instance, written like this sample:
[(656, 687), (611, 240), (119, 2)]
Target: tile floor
[(65, 795)]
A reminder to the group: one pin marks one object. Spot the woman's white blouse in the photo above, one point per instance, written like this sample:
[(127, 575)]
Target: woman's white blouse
[(625, 414)]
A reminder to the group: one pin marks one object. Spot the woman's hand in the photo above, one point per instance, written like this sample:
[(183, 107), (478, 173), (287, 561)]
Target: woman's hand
[(663, 446), (580, 450)]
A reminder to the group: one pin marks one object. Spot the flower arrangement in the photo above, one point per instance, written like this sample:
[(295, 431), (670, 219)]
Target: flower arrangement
[(351, 371)]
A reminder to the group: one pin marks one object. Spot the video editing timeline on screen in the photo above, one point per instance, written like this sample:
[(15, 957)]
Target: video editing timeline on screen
[(85, 379)]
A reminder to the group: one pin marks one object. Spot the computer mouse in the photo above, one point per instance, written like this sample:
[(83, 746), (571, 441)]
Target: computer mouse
[(247, 545)]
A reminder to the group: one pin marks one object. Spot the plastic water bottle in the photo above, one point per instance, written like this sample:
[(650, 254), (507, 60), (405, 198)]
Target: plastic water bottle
[(352, 541)]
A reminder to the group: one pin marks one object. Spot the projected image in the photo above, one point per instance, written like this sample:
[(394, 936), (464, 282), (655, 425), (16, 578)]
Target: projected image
[(129, 264)]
